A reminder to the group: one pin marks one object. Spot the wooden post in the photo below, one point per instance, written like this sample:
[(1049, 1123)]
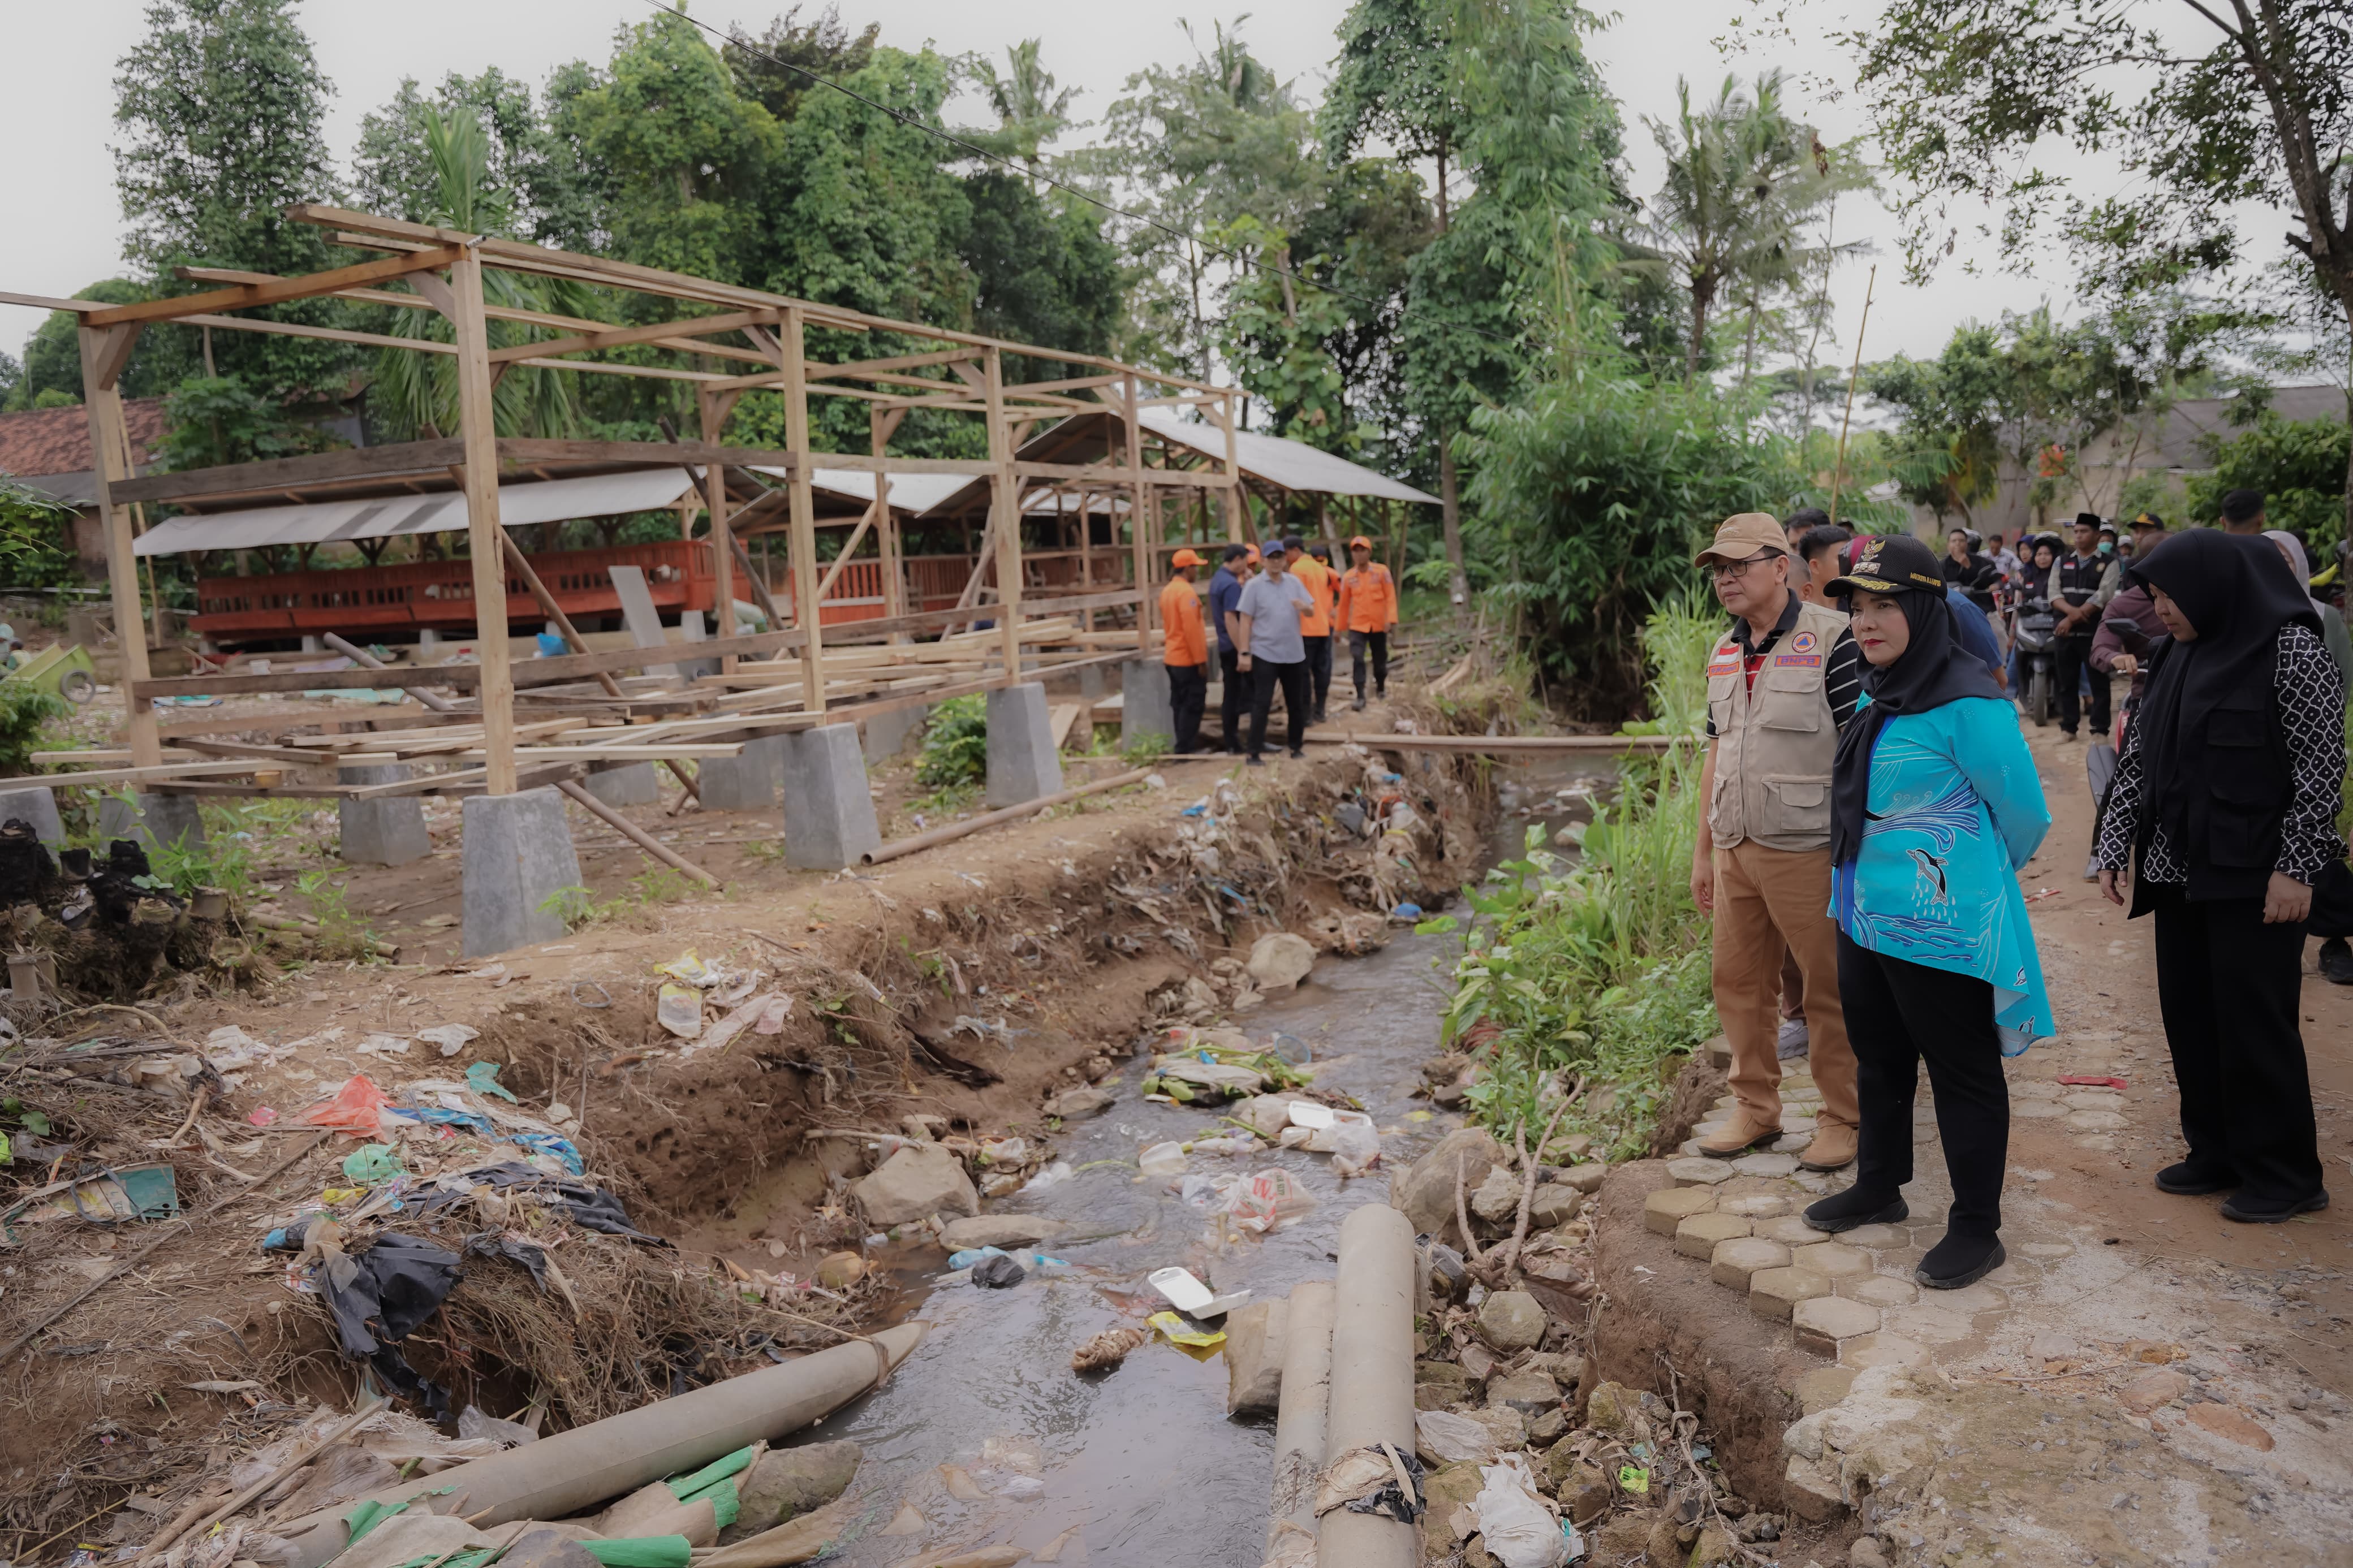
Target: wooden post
[(104, 350), (880, 425), (1235, 500), (714, 408), (1005, 517), (484, 538), (803, 559), (1138, 520)]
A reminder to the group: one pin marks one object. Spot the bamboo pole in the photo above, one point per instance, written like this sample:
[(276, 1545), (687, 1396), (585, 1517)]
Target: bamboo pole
[(1838, 467), (956, 830)]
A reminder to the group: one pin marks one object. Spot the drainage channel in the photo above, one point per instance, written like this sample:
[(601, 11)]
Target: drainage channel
[(987, 1436)]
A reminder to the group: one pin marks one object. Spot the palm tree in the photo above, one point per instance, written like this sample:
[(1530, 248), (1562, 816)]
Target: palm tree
[(1029, 112)]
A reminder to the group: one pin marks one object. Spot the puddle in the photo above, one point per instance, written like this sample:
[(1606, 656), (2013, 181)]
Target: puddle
[(986, 1433)]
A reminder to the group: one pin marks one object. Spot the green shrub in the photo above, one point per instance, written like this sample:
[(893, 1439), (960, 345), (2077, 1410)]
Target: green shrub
[(25, 712), (2298, 466), (956, 744)]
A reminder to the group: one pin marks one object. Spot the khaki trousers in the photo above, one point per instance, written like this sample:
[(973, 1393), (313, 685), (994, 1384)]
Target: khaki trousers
[(1769, 901)]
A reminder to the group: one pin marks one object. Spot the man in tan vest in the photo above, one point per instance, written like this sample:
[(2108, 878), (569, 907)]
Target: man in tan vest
[(1781, 684)]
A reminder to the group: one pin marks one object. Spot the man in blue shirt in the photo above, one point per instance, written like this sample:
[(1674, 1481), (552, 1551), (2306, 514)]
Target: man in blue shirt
[(1225, 598)]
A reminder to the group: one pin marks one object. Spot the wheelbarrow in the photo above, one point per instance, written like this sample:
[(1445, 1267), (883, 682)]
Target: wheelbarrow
[(62, 669)]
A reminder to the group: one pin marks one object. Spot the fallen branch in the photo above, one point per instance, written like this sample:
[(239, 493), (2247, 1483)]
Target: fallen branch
[(293, 1462)]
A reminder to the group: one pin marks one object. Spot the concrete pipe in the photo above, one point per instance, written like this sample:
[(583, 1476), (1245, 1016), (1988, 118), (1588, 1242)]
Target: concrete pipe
[(1299, 1421), (575, 1471), (1372, 1378)]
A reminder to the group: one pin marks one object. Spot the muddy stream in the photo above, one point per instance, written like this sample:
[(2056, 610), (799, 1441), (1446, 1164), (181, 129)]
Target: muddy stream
[(1142, 1468)]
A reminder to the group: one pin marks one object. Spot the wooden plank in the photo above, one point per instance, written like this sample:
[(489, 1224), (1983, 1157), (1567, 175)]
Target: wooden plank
[(484, 537), (291, 473), (808, 609), (142, 774), (109, 445), (1004, 505), (1060, 718), (977, 466), (329, 334), (1101, 473), (49, 302), (689, 327), (245, 295)]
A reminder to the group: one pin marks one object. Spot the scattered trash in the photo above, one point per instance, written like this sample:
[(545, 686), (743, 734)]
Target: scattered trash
[(380, 1297), (449, 1038), (1106, 1350), (1053, 1175), (1518, 1531), (1162, 1160), (1374, 1479), (1291, 1048), (382, 1045), (1180, 1288), (111, 1197), (2097, 1082), (261, 1116), (1440, 1436), (1269, 1199), (998, 1273), (373, 1163), (482, 1077), (1308, 1114), (680, 1010), (1406, 912), (1174, 1330), (1634, 1478), (354, 1109)]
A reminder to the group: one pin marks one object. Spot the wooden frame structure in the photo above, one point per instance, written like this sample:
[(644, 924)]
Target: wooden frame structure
[(781, 678)]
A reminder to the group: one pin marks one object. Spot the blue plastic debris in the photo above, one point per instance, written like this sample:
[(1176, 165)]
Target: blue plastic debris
[(1406, 912)]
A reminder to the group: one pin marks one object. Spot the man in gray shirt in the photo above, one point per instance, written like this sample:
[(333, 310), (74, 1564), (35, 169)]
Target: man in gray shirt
[(1271, 649)]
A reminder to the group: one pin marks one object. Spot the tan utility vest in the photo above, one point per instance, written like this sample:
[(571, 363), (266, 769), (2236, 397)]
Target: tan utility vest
[(1774, 746)]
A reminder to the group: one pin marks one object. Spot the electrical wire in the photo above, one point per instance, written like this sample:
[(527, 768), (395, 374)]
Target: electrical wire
[(1232, 258)]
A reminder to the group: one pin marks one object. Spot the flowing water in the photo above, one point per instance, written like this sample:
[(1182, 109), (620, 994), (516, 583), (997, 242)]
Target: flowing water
[(1141, 1467)]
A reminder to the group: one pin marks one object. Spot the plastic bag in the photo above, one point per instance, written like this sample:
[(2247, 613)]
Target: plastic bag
[(1442, 1437), (373, 1163), (1268, 1199), (680, 1011), (1053, 1175), (1518, 1531), (1355, 1146), (1162, 1160), (352, 1110), (999, 1272)]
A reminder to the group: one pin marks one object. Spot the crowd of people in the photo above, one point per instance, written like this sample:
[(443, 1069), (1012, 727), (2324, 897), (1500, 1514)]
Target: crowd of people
[(1869, 797), (1274, 616)]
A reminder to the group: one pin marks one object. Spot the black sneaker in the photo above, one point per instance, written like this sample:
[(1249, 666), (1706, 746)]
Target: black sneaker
[(1957, 1261), (1299, 756), (2336, 961), (2272, 1211), (1256, 760), (1851, 1208), (2188, 1179), (1360, 703)]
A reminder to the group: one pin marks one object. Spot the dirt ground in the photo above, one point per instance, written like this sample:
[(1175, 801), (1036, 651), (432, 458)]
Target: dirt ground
[(964, 982)]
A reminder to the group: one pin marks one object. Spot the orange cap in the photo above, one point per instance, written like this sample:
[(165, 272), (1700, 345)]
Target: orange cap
[(1185, 558), (1360, 542)]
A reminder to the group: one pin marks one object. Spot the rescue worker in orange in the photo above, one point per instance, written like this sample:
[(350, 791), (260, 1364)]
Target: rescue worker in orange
[(1186, 658), (1782, 683), (1315, 625), (1368, 613)]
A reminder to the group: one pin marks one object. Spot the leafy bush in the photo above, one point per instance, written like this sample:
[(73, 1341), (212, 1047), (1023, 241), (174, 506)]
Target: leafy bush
[(956, 744), (24, 710), (2298, 465)]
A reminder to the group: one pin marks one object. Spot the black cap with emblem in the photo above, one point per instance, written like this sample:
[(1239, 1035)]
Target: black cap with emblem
[(1892, 563)]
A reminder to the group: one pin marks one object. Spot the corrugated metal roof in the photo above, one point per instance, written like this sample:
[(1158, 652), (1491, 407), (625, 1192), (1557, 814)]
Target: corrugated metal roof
[(909, 493), (318, 522), (1294, 465)]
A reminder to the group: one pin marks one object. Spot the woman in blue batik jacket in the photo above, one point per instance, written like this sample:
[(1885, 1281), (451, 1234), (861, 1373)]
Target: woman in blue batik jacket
[(1936, 804)]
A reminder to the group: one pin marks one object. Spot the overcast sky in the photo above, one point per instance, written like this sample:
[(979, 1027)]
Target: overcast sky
[(66, 224)]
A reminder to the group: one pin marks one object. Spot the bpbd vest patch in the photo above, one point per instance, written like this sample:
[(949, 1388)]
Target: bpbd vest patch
[(1802, 653), (1726, 660)]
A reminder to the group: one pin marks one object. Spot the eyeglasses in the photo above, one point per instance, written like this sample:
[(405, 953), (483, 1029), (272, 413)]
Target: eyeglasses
[(1723, 572)]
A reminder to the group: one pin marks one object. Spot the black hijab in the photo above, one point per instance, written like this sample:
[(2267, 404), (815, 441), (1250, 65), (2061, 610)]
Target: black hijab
[(2238, 592), (1934, 669)]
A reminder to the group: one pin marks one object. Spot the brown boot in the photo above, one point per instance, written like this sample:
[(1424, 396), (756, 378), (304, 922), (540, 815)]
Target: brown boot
[(1833, 1148), (1737, 1137)]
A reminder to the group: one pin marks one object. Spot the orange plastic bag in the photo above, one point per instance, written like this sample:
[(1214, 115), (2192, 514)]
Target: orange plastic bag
[(354, 1109)]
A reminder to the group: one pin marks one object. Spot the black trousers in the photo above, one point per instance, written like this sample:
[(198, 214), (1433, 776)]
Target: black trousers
[(1235, 698), (1293, 678), (2071, 660), (1319, 669), (2229, 986), (2332, 904), (1189, 694), (1379, 643), (1898, 1014)]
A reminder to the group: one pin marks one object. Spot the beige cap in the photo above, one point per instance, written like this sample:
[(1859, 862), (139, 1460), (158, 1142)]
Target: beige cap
[(1743, 535)]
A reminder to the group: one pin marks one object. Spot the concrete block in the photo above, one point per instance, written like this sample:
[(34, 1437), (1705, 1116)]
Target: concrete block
[(1664, 1211), (690, 627), (1091, 682), (629, 784), (518, 855), (1832, 1259), (1824, 1321), (157, 821), (830, 817), (745, 782), (1698, 1237), (1734, 1262), (1144, 707), (387, 831), (37, 807), (637, 613), (884, 735), (1775, 1293), (1022, 762)]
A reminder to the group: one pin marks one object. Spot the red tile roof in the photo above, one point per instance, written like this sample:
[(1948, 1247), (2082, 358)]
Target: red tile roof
[(57, 441)]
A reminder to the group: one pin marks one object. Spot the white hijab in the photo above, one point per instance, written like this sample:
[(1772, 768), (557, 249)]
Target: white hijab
[(2292, 548)]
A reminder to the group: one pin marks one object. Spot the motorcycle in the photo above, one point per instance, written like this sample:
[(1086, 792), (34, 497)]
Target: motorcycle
[(2033, 633)]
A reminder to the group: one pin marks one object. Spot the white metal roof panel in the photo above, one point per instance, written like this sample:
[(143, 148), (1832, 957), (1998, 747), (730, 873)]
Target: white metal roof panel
[(318, 522)]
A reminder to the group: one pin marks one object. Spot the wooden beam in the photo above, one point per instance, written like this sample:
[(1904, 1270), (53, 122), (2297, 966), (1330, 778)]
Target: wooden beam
[(51, 302), (109, 445), (713, 408), (114, 353), (328, 334), (1139, 511), (548, 606), (793, 338), (288, 473), (880, 425), (1005, 506), (245, 295), (483, 533), (693, 326)]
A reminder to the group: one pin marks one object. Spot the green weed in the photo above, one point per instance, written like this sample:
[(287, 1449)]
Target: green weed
[(341, 933), (956, 744)]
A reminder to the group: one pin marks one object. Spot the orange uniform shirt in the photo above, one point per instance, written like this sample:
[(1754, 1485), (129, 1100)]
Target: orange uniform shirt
[(1316, 621), (1181, 620), (1369, 599)]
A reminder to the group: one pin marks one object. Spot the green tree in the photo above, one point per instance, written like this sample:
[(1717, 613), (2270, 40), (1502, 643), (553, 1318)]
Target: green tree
[(220, 108), (51, 373), (394, 165), (2297, 465), (1972, 97), (1029, 112), (775, 68), (1043, 270), (1276, 333)]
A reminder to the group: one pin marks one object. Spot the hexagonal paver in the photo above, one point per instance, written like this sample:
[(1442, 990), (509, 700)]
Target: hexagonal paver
[(2045, 1250), (1879, 1291), (1831, 1259), (1755, 1206), (2031, 1088), (1882, 1349), (1733, 1262), (1876, 1237), (2105, 1143), (1823, 1387), (1698, 1236), (2033, 1110), (1772, 1292), (1790, 1230), (1823, 1321), (2093, 1099), (1668, 1208), (2093, 1121), (1793, 1081), (1698, 1171), (1926, 1323), (1768, 1165), (1978, 1298)]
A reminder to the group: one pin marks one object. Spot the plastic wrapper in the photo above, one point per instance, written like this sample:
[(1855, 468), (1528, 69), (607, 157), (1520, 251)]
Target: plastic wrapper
[(1268, 1199), (1516, 1527)]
